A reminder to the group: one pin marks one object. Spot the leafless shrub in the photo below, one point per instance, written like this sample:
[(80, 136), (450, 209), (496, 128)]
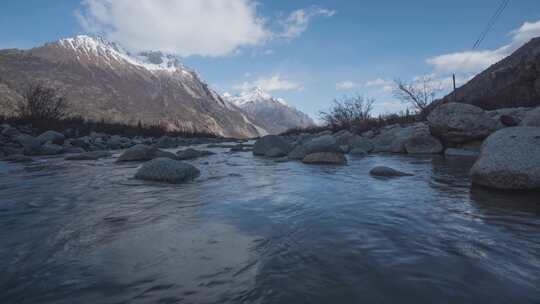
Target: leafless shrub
[(42, 103), (347, 112), (419, 93)]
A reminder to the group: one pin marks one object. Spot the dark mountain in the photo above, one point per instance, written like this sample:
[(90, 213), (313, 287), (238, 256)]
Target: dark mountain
[(512, 82)]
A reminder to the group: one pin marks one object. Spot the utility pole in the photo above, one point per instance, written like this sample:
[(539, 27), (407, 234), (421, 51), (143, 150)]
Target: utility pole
[(454, 80)]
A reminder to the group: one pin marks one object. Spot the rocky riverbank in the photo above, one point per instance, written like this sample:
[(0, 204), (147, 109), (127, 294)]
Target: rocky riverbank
[(505, 142), (509, 159)]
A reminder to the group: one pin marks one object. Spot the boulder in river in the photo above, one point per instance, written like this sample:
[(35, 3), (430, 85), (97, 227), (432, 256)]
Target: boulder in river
[(298, 153), (387, 172), (393, 138), (325, 143), (510, 159), (263, 145), (143, 153), (276, 152), (325, 158), (532, 118), (167, 170), (192, 154), (358, 152), (460, 122)]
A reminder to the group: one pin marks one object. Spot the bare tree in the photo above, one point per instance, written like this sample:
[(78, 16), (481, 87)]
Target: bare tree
[(419, 93), (42, 103), (347, 111)]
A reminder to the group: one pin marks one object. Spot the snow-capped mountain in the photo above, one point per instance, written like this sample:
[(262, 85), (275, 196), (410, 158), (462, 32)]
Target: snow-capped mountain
[(273, 114), (104, 82)]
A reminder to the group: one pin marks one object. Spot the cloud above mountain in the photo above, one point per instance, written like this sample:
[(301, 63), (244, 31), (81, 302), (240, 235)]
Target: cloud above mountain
[(269, 84), (210, 28), (472, 62)]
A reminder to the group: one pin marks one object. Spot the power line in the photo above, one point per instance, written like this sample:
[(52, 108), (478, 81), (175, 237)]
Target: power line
[(491, 23)]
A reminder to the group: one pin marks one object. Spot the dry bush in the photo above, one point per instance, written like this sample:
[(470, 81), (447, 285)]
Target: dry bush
[(419, 93), (42, 103), (347, 112)]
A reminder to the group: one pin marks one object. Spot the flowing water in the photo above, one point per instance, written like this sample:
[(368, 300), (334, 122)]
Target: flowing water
[(252, 230)]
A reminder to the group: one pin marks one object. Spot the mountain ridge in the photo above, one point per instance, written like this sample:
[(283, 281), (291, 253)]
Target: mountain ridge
[(103, 82)]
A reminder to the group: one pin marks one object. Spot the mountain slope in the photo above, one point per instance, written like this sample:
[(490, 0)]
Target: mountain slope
[(273, 114), (512, 82), (103, 82)]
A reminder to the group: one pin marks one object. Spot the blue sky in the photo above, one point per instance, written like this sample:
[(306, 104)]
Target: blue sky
[(307, 52)]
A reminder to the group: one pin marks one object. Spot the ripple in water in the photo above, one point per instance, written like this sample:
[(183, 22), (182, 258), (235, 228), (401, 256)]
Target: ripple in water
[(252, 230)]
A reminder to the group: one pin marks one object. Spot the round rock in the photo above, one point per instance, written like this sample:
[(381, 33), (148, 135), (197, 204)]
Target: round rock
[(167, 170)]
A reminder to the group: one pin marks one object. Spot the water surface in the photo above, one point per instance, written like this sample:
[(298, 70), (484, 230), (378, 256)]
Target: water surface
[(251, 230)]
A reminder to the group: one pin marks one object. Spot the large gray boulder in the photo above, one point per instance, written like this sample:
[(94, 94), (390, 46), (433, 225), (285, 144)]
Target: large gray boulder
[(510, 159), (393, 138), (167, 170), (532, 118), (276, 152), (460, 122), (508, 117), (144, 153), (265, 144), (298, 153), (49, 150), (359, 142), (325, 143), (325, 158), (52, 137), (423, 144)]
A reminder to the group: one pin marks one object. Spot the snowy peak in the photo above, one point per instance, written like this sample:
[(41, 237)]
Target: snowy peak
[(271, 113), (98, 50), (254, 96)]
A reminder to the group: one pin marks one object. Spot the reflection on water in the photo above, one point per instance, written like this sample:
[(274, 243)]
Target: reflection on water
[(251, 230)]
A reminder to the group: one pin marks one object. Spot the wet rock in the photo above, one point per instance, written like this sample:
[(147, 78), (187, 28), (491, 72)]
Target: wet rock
[(459, 122), (94, 155), (510, 159), (144, 153), (192, 154), (532, 118), (454, 152), (52, 137), (263, 145), (275, 152), (325, 158), (360, 142), (17, 158), (298, 153), (167, 170), (423, 144), (387, 172), (29, 143)]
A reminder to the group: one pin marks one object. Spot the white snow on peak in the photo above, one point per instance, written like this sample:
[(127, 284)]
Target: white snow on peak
[(254, 96), (109, 51)]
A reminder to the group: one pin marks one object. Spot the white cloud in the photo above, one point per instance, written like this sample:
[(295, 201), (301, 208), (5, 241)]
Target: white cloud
[(188, 27), (346, 85), (202, 27), (298, 21), (472, 62), (385, 85), (269, 84)]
